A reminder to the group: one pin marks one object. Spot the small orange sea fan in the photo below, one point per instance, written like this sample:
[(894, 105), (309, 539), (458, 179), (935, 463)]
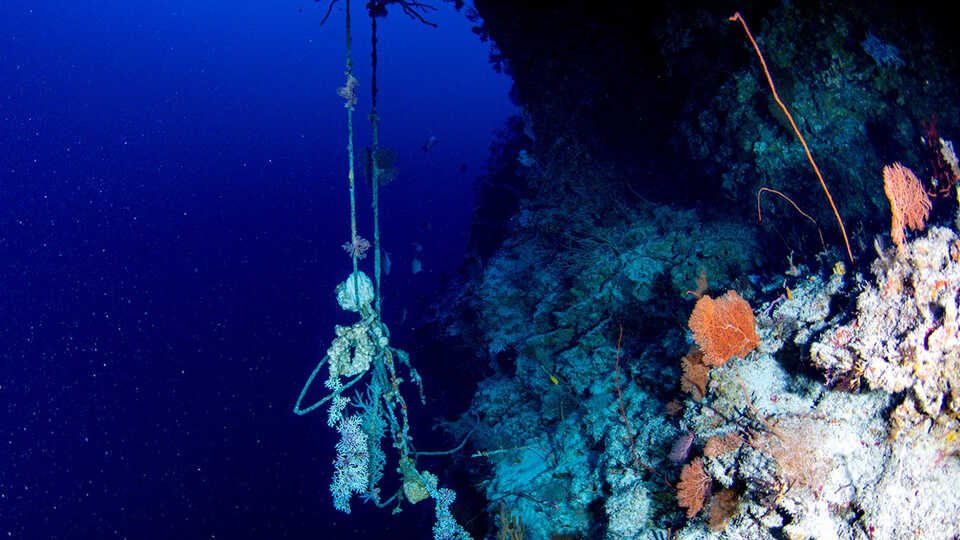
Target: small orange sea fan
[(693, 488), (909, 204), (695, 374), (722, 444)]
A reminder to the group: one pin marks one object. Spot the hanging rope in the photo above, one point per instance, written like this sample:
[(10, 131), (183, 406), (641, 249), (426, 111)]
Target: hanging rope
[(363, 347), (350, 91), (376, 8), (375, 161)]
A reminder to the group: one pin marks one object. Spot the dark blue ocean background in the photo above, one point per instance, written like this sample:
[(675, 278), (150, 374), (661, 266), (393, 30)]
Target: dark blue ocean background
[(172, 205)]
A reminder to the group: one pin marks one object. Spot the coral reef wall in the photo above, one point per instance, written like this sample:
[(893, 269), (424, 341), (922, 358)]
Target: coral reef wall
[(645, 137), (549, 306)]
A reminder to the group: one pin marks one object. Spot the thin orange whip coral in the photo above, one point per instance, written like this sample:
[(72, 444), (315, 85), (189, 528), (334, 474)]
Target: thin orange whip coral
[(626, 421), (623, 410), (795, 207), (737, 17)]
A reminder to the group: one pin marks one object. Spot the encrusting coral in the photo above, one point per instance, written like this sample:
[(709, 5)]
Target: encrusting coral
[(905, 333)]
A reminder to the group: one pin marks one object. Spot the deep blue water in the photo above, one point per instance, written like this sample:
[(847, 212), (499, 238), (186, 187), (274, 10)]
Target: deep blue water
[(172, 204)]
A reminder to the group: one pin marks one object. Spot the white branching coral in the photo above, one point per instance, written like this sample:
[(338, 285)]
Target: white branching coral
[(905, 334)]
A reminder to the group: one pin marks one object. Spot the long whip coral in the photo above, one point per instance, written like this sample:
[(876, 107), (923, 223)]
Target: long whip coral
[(773, 89)]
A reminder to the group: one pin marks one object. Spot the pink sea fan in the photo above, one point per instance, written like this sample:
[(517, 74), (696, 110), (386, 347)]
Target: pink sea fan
[(681, 447), (357, 247)]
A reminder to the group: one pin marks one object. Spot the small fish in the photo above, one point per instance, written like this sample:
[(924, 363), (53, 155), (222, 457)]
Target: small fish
[(416, 266), (429, 143), (553, 378), (387, 264)]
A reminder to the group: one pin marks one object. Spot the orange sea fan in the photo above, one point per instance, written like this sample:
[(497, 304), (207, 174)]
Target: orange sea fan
[(722, 444), (693, 488), (695, 374), (909, 204), (723, 506), (723, 328)]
